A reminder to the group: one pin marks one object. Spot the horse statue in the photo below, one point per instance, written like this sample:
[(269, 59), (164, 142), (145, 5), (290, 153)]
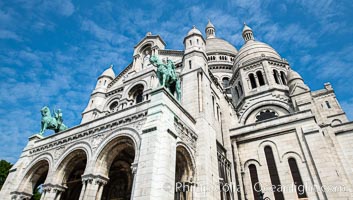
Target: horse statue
[(167, 76), (52, 122)]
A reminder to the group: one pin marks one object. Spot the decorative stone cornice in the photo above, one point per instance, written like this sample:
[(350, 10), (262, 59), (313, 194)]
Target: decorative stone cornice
[(170, 52), (118, 90), (185, 133), (53, 188), (120, 75), (115, 123), (250, 67), (224, 67), (20, 195), (94, 179)]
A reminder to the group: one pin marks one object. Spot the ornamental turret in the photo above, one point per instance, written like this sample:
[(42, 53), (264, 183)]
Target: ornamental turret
[(210, 30), (247, 33), (95, 105)]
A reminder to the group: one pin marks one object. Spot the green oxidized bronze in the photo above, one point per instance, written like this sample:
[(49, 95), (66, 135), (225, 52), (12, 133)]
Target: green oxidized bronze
[(52, 122), (167, 76)]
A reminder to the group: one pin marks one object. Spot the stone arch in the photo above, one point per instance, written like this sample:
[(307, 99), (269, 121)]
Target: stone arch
[(292, 154), (114, 160), (274, 147), (184, 172), (336, 122), (249, 179), (84, 146), (140, 82), (181, 144), (281, 107), (144, 46), (35, 174), (112, 99), (252, 162), (70, 168), (120, 132)]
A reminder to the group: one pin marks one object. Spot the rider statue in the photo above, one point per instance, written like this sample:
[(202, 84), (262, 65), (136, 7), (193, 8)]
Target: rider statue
[(52, 122), (167, 76)]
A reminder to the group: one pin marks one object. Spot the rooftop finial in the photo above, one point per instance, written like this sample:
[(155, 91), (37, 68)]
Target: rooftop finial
[(247, 33), (111, 66)]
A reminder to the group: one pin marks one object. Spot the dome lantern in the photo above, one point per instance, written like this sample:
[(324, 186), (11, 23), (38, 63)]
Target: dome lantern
[(247, 33), (210, 30)]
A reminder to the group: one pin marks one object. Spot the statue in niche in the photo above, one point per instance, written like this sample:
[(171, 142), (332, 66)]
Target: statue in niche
[(167, 76), (52, 122), (146, 60)]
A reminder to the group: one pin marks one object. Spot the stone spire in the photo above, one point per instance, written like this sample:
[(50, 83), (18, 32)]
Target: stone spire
[(210, 30), (247, 33)]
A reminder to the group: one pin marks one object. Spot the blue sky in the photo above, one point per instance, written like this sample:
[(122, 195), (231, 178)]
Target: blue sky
[(51, 52)]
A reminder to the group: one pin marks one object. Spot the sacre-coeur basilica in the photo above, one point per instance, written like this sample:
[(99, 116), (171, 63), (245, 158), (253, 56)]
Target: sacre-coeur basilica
[(207, 122)]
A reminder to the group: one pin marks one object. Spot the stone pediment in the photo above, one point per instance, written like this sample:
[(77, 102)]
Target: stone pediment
[(298, 89), (121, 75)]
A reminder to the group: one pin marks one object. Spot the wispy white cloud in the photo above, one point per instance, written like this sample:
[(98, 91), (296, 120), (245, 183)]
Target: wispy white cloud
[(4, 34)]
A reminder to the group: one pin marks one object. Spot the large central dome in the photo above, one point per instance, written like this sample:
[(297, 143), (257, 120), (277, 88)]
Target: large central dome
[(217, 45), (254, 49)]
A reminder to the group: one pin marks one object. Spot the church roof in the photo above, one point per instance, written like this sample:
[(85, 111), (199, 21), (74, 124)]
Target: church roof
[(109, 73), (219, 45), (194, 30), (253, 49), (209, 24)]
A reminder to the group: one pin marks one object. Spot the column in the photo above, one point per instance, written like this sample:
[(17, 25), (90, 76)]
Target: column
[(133, 170), (52, 192), (20, 196), (92, 187)]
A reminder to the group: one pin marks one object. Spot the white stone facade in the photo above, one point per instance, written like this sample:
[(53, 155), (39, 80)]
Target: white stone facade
[(246, 121)]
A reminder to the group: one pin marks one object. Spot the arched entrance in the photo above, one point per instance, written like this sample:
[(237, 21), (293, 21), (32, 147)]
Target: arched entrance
[(117, 158), (183, 174), (34, 178), (72, 169)]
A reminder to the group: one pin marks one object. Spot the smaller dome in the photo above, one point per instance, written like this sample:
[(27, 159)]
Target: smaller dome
[(293, 75), (217, 45), (109, 72), (194, 30), (295, 79)]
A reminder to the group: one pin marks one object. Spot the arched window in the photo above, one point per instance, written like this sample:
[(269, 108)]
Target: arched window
[(139, 96), (272, 169), (254, 181), (225, 82), (190, 42), (213, 104), (260, 77), (197, 41), (190, 66), (113, 106), (240, 88), (283, 78), (252, 81), (275, 75), (299, 186), (237, 92), (136, 93), (328, 104)]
